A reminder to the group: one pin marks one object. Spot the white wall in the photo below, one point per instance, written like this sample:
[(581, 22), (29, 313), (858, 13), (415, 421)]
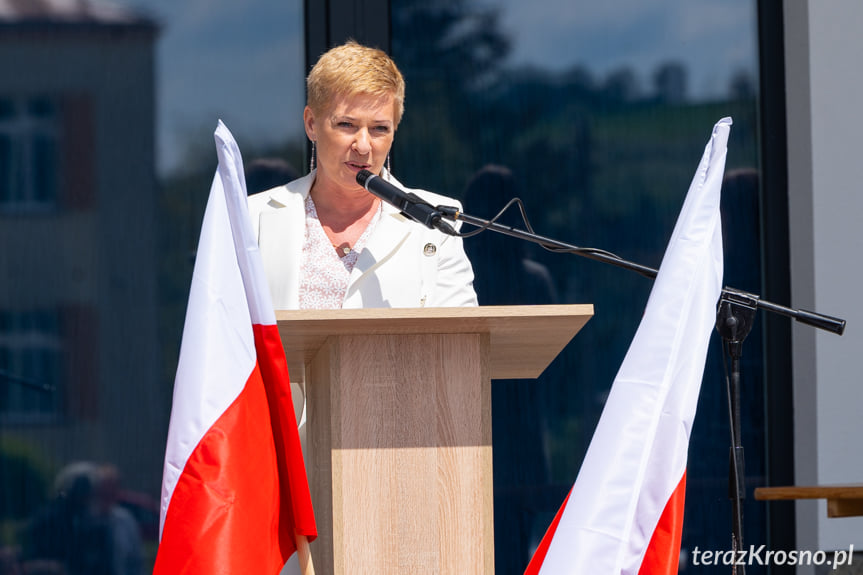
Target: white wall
[(824, 59)]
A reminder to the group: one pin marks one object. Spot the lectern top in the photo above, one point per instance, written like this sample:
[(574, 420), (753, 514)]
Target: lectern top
[(523, 340)]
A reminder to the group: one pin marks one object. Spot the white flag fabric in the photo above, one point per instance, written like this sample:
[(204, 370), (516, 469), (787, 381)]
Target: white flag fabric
[(234, 488), (624, 512)]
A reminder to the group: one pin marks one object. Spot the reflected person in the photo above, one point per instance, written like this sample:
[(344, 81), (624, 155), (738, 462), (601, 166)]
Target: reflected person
[(505, 272), (68, 534), (506, 275), (124, 532)]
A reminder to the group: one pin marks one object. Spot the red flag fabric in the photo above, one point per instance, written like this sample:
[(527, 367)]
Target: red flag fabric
[(234, 487), (624, 514)]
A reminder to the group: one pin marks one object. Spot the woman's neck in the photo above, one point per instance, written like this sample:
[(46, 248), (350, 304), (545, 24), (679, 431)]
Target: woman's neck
[(340, 209)]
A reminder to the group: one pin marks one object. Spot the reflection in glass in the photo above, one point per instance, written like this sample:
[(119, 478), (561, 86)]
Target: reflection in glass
[(106, 156), (29, 131), (30, 347), (597, 114)]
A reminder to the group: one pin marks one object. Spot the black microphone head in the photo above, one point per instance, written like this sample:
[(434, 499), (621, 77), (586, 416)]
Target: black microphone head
[(363, 177)]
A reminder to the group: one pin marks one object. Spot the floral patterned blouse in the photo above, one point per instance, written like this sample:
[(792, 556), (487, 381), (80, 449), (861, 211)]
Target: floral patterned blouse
[(324, 275)]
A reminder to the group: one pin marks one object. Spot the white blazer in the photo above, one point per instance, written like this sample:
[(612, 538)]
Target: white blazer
[(403, 264)]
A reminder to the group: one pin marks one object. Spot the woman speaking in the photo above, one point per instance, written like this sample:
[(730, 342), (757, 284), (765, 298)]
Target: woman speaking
[(325, 241)]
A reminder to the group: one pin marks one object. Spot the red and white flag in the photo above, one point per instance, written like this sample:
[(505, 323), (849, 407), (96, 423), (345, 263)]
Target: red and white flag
[(624, 514), (234, 487)]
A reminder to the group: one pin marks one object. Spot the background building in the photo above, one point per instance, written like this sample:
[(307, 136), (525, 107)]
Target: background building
[(80, 372)]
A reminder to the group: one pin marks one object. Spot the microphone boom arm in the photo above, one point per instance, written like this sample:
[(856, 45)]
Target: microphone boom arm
[(817, 320)]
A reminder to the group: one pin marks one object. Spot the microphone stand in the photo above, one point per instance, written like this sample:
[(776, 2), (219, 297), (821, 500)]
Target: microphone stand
[(734, 318)]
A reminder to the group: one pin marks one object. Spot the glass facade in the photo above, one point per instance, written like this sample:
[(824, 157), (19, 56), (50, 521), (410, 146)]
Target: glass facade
[(596, 117), (594, 114), (107, 112)]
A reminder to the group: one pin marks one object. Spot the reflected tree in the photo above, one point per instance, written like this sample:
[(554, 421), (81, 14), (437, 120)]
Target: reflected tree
[(670, 82), (742, 86), (448, 52), (621, 86)]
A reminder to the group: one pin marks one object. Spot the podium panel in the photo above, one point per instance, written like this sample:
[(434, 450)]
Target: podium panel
[(399, 453)]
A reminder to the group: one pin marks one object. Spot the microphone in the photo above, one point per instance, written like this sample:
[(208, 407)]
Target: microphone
[(408, 203)]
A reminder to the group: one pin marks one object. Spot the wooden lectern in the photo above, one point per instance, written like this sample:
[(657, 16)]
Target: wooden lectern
[(398, 439)]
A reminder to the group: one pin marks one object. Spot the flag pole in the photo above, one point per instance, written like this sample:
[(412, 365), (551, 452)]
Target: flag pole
[(305, 555)]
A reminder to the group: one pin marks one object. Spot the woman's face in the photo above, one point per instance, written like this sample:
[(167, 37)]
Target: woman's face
[(355, 134)]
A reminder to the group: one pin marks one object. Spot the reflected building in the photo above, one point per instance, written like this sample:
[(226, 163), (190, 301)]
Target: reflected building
[(79, 371)]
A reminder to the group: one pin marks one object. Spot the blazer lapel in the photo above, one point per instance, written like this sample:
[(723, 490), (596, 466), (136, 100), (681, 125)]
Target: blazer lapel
[(281, 237), (390, 235)]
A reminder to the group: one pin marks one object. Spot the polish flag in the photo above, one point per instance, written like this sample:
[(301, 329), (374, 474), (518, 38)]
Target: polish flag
[(624, 514), (234, 489)]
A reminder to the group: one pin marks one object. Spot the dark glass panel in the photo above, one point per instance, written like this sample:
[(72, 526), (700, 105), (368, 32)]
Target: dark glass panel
[(596, 116)]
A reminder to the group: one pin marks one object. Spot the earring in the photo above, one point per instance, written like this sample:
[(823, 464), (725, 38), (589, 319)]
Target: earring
[(389, 169), (313, 157)]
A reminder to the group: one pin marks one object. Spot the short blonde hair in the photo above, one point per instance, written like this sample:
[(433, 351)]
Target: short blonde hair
[(353, 69)]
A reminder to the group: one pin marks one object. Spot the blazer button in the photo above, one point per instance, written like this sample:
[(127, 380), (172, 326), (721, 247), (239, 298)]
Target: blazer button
[(429, 250)]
